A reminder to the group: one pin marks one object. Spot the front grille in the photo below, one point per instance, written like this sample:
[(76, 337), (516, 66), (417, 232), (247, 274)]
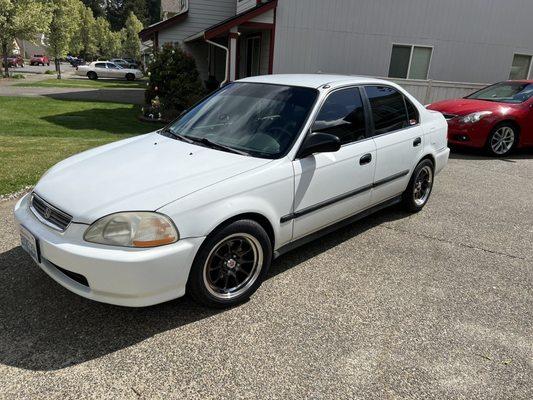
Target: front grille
[(48, 214), (449, 116)]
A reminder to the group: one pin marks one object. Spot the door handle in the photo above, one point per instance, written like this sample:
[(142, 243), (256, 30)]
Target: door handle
[(366, 159), (417, 142)]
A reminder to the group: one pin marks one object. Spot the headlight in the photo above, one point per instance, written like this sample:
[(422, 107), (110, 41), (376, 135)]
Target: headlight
[(133, 229), (475, 117)]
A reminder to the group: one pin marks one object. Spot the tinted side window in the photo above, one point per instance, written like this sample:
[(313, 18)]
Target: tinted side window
[(388, 109), (412, 112), (342, 115), (99, 65)]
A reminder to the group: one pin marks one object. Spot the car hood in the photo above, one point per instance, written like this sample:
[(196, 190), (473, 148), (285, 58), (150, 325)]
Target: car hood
[(466, 106), (141, 173)]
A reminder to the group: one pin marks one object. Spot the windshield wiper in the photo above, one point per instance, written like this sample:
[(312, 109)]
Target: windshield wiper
[(176, 135), (213, 145)]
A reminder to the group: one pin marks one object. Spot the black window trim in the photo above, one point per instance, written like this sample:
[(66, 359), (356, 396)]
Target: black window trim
[(319, 108), (369, 110), (369, 121)]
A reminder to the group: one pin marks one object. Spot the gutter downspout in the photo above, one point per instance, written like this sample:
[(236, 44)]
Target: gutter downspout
[(226, 79)]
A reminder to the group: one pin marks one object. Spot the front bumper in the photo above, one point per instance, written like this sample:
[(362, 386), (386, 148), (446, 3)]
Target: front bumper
[(121, 276), (471, 135)]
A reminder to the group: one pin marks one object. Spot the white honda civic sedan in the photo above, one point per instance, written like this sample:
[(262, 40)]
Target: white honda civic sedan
[(204, 205)]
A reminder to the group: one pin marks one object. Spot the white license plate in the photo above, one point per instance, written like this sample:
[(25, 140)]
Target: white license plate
[(29, 243)]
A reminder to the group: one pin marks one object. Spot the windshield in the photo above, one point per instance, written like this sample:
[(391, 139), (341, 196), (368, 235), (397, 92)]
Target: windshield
[(505, 92), (262, 120)]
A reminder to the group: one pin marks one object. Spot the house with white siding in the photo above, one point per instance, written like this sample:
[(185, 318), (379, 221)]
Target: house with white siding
[(422, 43)]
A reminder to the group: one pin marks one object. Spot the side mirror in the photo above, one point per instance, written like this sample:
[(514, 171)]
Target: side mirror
[(319, 142)]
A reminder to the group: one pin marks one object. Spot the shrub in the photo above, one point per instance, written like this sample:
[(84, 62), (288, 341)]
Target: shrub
[(18, 76), (49, 72), (173, 80)]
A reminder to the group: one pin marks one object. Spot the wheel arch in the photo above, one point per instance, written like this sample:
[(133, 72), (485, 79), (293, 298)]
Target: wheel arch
[(508, 121), (429, 157), (254, 216)]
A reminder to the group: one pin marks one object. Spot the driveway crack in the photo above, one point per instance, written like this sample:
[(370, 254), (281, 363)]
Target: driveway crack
[(460, 244)]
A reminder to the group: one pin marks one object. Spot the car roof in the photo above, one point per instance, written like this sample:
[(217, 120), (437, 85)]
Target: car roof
[(313, 80)]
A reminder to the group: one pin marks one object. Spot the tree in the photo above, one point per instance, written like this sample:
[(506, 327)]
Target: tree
[(118, 12), (103, 38), (21, 19), (65, 19), (132, 43), (83, 41), (174, 80), (98, 7)]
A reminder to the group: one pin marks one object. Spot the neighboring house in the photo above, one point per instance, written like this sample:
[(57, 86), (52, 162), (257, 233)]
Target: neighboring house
[(418, 40), (29, 48)]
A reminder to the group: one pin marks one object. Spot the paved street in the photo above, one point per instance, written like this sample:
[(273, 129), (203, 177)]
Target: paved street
[(36, 73), (434, 305)]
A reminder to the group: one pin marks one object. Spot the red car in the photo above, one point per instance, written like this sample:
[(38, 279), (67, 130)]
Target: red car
[(15, 61), (498, 118), (39, 59)]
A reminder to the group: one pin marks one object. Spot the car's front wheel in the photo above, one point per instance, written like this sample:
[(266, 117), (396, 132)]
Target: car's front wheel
[(419, 188), (502, 140), (230, 265)]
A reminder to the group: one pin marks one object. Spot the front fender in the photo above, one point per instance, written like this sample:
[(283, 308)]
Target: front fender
[(267, 191)]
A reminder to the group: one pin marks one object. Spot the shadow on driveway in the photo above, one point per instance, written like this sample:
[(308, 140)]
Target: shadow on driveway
[(45, 327)]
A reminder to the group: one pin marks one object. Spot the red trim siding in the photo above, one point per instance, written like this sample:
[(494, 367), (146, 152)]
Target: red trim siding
[(238, 20), (258, 25)]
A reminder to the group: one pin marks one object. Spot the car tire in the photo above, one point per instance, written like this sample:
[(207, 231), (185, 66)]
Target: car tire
[(92, 75), (130, 77), (420, 186), (502, 140), (230, 265), (47, 64)]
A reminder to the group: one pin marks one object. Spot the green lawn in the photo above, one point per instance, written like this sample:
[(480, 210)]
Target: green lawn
[(36, 133), (86, 83)]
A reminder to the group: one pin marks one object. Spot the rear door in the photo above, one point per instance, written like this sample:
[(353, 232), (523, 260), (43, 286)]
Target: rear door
[(114, 71), (332, 186), (398, 137), (101, 70)]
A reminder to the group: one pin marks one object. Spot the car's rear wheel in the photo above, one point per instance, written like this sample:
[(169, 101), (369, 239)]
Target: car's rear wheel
[(92, 75), (130, 77), (230, 265), (419, 188), (502, 140)]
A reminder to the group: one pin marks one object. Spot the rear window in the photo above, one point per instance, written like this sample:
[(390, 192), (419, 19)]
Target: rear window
[(99, 65)]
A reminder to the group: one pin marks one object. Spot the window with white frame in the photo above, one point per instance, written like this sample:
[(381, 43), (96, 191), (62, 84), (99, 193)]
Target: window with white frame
[(521, 67), (410, 61)]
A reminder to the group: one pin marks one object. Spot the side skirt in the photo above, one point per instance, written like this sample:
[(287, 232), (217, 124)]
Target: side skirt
[(337, 225)]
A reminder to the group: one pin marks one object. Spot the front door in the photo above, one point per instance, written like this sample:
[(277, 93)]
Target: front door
[(253, 55), (332, 186), (399, 140)]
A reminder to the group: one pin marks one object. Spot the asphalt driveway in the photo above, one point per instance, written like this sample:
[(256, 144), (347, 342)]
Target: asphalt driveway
[(434, 305)]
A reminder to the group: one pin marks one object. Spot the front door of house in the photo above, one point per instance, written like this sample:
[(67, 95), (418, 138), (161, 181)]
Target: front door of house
[(253, 55)]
